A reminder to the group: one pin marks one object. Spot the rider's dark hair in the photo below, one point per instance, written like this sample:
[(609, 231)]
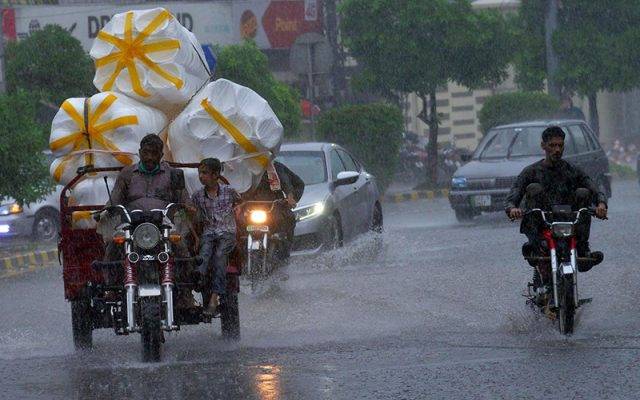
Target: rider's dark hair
[(212, 164), (152, 140), (551, 132)]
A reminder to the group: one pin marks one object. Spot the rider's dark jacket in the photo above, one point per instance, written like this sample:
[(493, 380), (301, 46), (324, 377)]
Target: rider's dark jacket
[(559, 182), (289, 181)]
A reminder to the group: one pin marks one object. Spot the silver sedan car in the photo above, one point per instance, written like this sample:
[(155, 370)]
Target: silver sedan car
[(40, 220), (341, 199)]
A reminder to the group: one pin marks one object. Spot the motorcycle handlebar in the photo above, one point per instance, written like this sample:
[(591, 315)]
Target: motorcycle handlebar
[(587, 210)]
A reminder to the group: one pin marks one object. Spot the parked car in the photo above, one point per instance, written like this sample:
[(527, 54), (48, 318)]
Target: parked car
[(40, 220), (484, 182), (341, 199)]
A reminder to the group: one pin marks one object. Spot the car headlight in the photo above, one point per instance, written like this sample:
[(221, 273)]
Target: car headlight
[(459, 182), (563, 229), (307, 212), (146, 236), (12, 208), (257, 216)]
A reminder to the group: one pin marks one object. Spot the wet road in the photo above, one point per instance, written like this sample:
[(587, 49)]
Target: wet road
[(438, 315)]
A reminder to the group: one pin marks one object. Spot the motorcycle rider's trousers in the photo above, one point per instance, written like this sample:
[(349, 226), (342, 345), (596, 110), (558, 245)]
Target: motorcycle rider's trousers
[(215, 249)]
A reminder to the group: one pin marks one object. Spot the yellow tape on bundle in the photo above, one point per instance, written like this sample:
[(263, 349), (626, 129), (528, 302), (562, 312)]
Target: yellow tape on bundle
[(78, 216), (132, 48), (235, 133), (91, 131)]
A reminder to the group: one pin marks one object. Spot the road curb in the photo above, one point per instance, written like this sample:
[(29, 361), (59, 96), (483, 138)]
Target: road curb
[(10, 266), (416, 195)]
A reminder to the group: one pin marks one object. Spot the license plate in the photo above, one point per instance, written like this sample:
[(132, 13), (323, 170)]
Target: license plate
[(483, 200), (257, 228)]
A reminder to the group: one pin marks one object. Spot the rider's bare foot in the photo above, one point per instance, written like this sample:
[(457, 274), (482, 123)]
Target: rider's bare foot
[(213, 310)]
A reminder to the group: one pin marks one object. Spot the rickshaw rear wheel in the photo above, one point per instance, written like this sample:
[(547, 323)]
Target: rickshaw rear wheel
[(230, 316), (81, 323)]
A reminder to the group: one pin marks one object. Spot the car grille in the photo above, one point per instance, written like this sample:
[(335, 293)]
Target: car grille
[(490, 183), (505, 183)]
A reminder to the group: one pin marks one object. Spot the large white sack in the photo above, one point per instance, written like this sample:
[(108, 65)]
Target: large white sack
[(89, 192), (150, 56), (229, 122), (116, 125)]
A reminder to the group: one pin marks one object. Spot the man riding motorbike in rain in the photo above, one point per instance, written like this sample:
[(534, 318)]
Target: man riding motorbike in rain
[(279, 183), (550, 182), (149, 184)]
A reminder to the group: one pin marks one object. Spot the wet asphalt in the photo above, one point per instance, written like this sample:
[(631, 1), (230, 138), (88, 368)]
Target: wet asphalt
[(439, 313)]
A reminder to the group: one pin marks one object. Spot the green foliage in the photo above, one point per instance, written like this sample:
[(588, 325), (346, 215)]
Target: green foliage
[(50, 63), (24, 175), (530, 58), (507, 108), (622, 171), (372, 132), (595, 43), (419, 45), (246, 65)]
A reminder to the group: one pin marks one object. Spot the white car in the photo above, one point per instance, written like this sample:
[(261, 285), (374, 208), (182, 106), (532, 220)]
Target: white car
[(40, 220), (341, 199)]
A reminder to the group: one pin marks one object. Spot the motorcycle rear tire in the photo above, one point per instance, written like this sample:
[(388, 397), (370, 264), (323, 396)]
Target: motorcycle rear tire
[(567, 309), (151, 330), (81, 323), (230, 316)]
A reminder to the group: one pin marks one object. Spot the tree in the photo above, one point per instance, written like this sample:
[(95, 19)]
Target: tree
[(246, 65), (506, 108), (420, 45), (51, 64), (24, 176), (372, 132), (594, 43)]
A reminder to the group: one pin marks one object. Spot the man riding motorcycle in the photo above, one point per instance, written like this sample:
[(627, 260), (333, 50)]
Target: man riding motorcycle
[(279, 183), (149, 184), (554, 181)]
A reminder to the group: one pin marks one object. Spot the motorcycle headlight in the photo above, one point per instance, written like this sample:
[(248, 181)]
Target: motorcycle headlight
[(459, 182), (146, 236), (257, 216), (12, 208), (308, 212), (563, 229)]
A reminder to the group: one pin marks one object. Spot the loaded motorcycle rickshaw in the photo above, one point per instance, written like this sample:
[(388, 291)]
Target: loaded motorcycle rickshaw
[(136, 294)]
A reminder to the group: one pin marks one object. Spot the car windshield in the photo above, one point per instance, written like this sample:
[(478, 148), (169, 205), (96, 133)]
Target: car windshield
[(308, 165), (514, 142)]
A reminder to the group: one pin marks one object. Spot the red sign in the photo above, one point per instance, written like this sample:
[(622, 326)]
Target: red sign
[(9, 23), (284, 20)]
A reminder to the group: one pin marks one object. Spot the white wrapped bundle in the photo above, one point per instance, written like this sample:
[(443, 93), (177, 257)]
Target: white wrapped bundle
[(229, 122), (109, 138), (89, 192), (150, 56)]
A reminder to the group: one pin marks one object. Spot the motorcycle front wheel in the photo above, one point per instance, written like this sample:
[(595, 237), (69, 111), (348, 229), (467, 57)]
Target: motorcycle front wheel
[(230, 316), (151, 329), (257, 260), (567, 308)]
